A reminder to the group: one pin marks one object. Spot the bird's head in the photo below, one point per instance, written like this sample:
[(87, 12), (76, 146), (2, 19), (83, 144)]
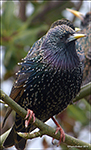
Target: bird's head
[(86, 20), (59, 47)]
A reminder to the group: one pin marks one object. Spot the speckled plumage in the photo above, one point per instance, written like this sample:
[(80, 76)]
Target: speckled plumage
[(86, 45), (49, 78), (85, 26)]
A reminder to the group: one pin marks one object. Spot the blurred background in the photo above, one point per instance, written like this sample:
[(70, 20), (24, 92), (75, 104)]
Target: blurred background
[(22, 23)]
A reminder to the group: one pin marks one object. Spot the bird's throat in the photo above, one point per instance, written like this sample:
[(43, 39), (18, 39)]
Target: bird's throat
[(64, 59)]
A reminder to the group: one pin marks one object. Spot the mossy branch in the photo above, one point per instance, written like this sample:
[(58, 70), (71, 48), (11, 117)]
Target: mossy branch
[(45, 129), (85, 91)]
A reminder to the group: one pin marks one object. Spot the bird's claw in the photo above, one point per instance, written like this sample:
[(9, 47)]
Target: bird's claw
[(29, 115), (62, 135)]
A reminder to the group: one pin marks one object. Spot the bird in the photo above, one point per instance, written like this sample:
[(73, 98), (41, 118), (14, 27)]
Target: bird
[(48, 80), (85, 26)]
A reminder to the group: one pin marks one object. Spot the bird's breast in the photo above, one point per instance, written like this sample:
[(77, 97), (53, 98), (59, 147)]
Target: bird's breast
[(51, 91)]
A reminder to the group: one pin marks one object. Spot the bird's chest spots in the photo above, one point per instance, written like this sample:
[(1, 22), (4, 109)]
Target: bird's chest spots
[(51, 92)]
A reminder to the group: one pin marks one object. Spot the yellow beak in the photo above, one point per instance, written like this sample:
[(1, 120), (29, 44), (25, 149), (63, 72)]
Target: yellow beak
[(77, 29), (75, 36), (76, 13)]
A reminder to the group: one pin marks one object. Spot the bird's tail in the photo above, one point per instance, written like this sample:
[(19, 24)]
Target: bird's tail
[(14, 139)]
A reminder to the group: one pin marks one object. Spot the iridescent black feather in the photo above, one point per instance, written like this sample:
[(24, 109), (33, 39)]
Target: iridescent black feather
[(49, 78)]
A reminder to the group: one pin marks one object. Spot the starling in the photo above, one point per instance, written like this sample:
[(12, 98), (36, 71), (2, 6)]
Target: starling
[(85, 43), (48, 80)]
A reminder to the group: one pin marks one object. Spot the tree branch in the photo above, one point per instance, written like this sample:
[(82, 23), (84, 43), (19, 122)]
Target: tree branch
[(22, 10), (85, 91), (69, 140), (45, 129)]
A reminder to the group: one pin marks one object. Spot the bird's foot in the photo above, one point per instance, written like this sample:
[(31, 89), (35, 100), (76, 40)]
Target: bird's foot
[(62, 134), (29, 116)]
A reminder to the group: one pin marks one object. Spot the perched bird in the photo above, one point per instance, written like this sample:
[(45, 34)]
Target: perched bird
[(48, 80), (85, 43)]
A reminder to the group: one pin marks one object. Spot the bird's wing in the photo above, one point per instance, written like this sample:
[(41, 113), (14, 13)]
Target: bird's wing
[(17, 91), (22, 76)]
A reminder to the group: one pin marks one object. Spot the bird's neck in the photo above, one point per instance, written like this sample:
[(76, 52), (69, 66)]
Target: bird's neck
[(64, 59)]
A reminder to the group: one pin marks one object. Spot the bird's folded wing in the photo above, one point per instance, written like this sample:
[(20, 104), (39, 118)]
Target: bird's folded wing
[(18, 87)]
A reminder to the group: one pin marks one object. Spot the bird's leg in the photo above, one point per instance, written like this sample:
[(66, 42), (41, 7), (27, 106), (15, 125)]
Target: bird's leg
[(59, 128), (29, 116)]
